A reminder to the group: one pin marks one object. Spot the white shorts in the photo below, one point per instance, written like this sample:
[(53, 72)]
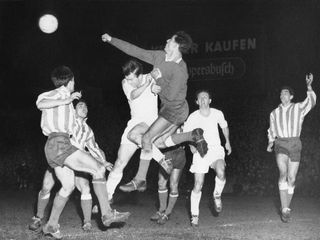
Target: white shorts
[(132, 123), (202, 165)]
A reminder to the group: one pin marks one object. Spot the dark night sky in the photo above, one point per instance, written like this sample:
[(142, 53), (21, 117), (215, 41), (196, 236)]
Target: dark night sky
[(287, 34)]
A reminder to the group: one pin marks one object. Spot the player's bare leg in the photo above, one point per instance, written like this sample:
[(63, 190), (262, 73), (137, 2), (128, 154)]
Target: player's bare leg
[(81, 161)]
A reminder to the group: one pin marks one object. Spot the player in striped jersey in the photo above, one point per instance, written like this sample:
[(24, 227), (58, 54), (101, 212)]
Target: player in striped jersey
[(57, 122), (83, 138), (284, 135)]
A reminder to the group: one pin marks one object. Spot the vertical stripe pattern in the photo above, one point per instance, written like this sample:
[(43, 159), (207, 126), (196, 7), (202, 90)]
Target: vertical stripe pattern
[(287, 121), (83, 137), (60, 118)]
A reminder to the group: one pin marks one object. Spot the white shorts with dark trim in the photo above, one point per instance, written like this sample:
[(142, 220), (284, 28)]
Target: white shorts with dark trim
[(202, 165)]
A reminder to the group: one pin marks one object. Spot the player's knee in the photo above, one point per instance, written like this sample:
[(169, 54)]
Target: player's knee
[(221, 174), (85, 189), (66, 190), (197, 187), (146, 137), (174, 194), (174, 187), (100, 172), (132, 136), (162, 184), (291, 180)]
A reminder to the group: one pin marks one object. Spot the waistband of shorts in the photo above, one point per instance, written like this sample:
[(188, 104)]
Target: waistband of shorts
[(288, 138), (56, 134)]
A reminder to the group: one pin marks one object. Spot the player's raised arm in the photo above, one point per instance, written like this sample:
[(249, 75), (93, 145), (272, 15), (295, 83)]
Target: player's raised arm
[(130, 49)]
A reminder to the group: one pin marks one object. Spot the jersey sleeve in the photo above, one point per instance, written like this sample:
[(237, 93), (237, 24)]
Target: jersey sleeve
[(221, 120)]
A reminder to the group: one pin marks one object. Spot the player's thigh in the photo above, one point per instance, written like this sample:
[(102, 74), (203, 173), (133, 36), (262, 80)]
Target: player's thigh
[(84, 162), (282, 162), (159, 126), (66, 177), (160, 140), (138, 130)]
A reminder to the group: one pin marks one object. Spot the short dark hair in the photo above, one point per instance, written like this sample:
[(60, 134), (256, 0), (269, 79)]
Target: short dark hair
[(184, 40), (132, 66), (290, 89), (61, 75), (77, 101), (201, 91)]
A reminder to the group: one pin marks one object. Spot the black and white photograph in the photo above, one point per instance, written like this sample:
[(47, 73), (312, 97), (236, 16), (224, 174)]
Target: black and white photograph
[(159, 119)]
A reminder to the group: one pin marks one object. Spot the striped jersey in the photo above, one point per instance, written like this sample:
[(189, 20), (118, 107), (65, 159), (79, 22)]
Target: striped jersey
[(83, 137), (287, 121), (57, 119)]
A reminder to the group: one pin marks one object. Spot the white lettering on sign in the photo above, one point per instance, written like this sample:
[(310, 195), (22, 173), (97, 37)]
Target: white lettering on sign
[(230, 45)]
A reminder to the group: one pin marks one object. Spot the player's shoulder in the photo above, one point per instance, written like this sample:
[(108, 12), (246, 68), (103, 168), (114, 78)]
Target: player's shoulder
[(216, 111)]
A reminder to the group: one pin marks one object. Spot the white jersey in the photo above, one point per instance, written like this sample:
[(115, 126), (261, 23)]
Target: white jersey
[(144, 107), (209, 124)]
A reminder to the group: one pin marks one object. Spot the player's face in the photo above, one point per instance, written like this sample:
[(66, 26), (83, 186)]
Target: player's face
[(203, 100), (285, 96), (82, 110), (171, 44), (132, 79)]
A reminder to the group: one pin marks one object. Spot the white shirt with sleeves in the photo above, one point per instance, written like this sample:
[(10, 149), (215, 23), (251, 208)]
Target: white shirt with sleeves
[(209, 124), (146, 105)]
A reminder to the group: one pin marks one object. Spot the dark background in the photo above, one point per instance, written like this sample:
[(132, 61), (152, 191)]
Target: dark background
[(287, 47)]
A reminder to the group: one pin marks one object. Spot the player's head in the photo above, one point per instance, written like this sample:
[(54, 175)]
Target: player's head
[(63, 76), (132, 70), (203, 98), (286, 94), (81, 108), (180, 41)]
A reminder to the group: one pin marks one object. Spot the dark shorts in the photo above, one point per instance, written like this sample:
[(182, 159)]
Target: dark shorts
[(177, 156), (58, 147), (175, 114), (290, 147)]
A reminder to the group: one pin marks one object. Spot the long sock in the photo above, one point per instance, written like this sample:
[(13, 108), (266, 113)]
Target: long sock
[(283, 192), (178, 138), (57, 208), (290, 195), (218, 188), (43, 200), (100, 189), (157, 155), (172, 201), (195, 201), (163, 198), (86, 205), (114, 179), (143, 170)]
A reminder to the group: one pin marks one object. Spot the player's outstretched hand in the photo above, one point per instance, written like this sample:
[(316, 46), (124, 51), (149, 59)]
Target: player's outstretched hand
[(156, 73), (76, 95), (309, 79), (228, 148), (106, 37)]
